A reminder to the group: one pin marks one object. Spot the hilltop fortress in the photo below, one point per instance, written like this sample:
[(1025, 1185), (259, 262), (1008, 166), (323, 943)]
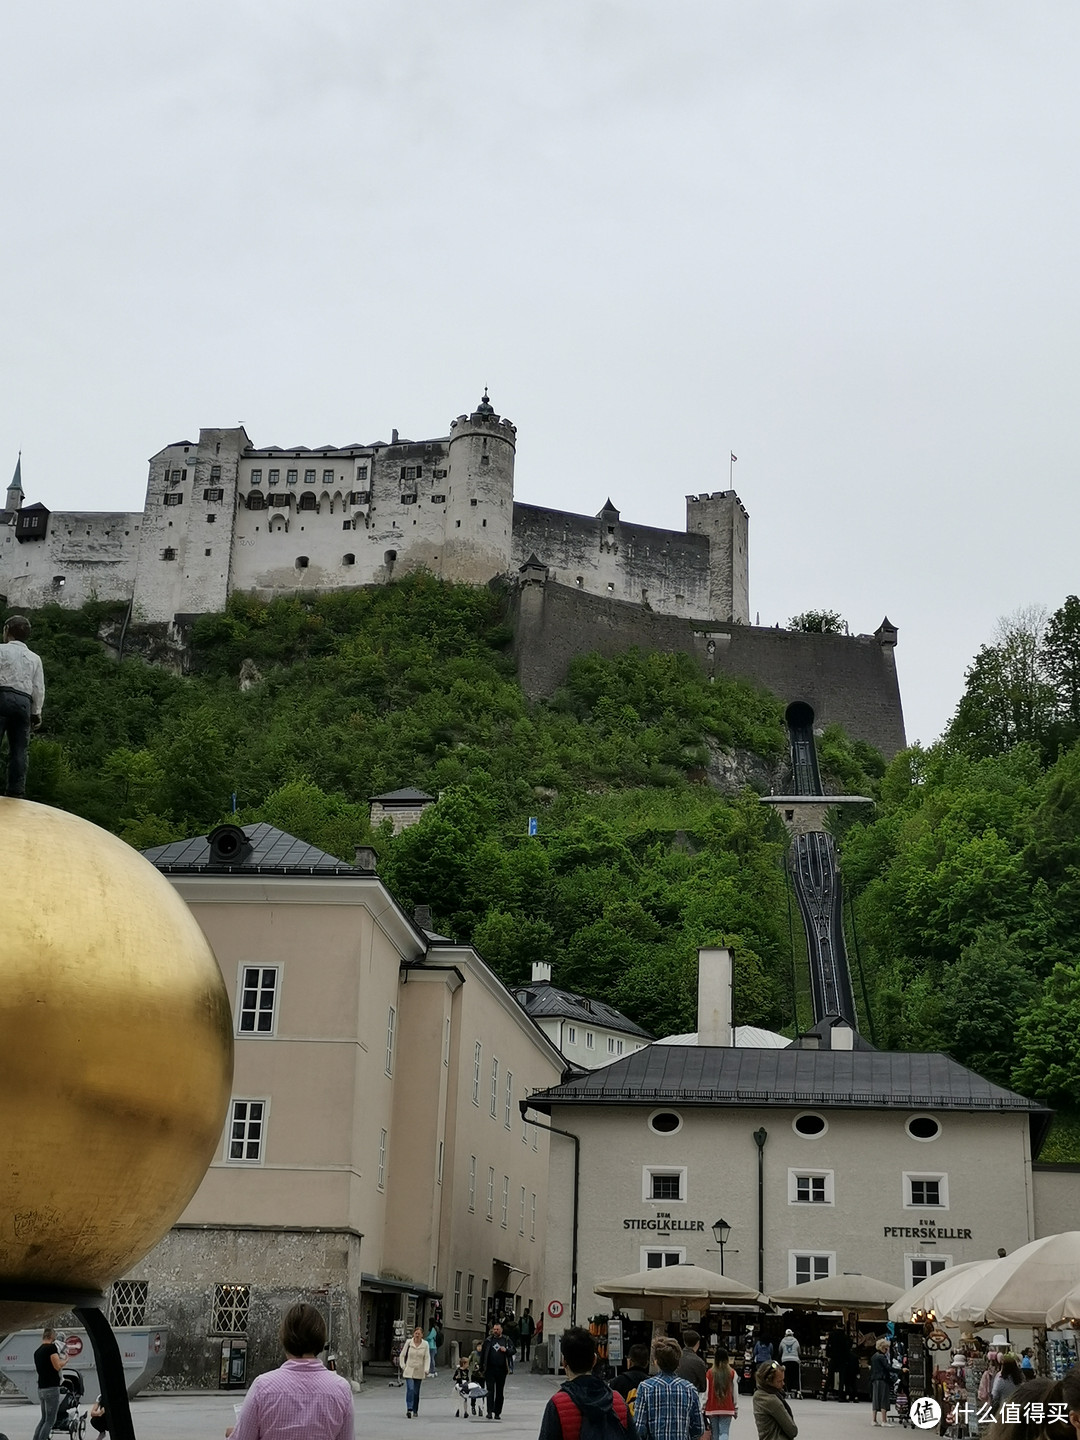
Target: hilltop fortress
[(222, 515)]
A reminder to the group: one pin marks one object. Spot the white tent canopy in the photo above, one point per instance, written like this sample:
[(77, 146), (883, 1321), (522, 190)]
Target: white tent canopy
[(922, 1295), (1020, 1289), (839, 1292), (681, 1283)]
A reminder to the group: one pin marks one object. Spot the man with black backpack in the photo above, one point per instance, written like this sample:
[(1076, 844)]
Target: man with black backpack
[(583, 1408)]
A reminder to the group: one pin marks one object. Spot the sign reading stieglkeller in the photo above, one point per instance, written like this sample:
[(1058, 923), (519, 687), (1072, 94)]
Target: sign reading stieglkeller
[(924, 1232), (663, 1224)]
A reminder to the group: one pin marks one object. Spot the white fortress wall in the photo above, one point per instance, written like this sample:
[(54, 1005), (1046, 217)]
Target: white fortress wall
[(84, 555)]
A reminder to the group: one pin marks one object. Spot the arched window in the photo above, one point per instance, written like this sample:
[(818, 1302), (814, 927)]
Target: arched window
[(308, 501), (301, 562), (256, 500), (348, 559)]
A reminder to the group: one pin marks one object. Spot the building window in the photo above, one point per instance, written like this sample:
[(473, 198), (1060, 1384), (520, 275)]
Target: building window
[(230, 1315), (509, 1107), (327, 477), (804, 1267), (348, 558), (438, 499), (438, 475), (614, 1047), (813, 1187), (256, 500), (168, 553), (485, 459), (477, 1056), (391, 1023), (483, 1298), (274, 477), (521, 1213), (439, 1165), (457, 1292), (446, 1041), (666, 1183), (810, 1126), (309, 477), (921, 1267), (302, 562), (308, 501), (532, 1235), (281, 501), (657, 1259), (175, 498), (665, 1122), (589, 1039), (472, 1182), (926, 1192), (360, 497), (176, 476), (524, 1120), (491, 1193), (255, 478), (361, 473), (473, 502), (381, 1175), (505, 1209), (923, 1127), (127, 1302), (409, 499), (210, 519), (246, 1130), (215, 472), (258, 999), (290, 477), (571, 1035), (469, 1289), (411, 472), (494, 1088), (213, 492)]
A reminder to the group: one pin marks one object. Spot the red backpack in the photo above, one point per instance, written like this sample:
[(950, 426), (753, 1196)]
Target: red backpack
[(570, 1415)]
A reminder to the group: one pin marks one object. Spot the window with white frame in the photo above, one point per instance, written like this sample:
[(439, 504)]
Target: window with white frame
[(472, 1182), (505, 1201), (810, 1187), (804, 1266), (926, 1192), (494, 1088), (590, 1039), (614, 1047), (457, 1292), (380, 1178), (536, 1137), (658, 1259), (230, 1313), (521, 1213), (391, 1027), (127, 1302), (483, 1298), (470, 1289), (491, 1193), (509, 1107), (571, 1035), (921, 1267), (532, 1202), (247, 1131), (257, 1010), (439, 1165), (446, 1042), (478, 1055), (664, 1182), (524, 1121)]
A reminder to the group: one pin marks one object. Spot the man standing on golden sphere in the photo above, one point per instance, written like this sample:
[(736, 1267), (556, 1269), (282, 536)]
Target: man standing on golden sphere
[(22, 694)]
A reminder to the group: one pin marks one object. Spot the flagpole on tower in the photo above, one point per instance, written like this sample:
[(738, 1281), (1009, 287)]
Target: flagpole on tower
[(731, 470)]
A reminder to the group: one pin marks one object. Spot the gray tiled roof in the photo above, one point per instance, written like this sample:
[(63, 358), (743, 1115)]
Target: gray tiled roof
[(723, 1075), (403, 797), (273, 851), (545, 1000)]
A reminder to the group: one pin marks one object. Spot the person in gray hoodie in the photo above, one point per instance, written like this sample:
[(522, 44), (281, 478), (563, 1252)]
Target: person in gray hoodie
[(584, 1408)]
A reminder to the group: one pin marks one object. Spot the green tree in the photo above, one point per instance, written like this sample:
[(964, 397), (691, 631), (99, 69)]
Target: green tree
[(1008, 698), (819, 622), (1049, 1041), (1061, 662)]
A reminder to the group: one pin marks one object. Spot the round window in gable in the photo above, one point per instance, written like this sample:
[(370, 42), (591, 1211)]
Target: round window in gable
[(810, 1126), (665, 1122), (923, 1127)]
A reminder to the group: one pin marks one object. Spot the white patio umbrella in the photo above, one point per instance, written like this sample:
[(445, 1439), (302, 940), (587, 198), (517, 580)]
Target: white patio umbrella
[(839, 1292), (682, 1283), (1020, 1289), (921, 1296), (1066, 1309)]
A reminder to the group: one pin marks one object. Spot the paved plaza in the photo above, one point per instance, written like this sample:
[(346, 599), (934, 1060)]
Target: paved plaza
[(380, 1415)]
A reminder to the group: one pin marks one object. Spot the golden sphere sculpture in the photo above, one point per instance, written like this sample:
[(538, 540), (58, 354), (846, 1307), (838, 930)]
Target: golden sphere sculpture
[(116, 1055)]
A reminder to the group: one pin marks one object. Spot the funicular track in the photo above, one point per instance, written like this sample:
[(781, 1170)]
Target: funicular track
[(816, 878)]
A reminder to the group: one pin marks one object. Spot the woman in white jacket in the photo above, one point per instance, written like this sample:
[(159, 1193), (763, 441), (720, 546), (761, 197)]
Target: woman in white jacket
[(415, 1362)]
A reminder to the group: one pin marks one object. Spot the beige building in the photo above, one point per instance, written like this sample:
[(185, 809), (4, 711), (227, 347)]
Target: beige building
[(893, 1165), (374, 1158), (589, 1033)]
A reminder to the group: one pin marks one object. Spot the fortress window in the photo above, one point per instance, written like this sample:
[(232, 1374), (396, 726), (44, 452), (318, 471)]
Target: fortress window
[(215, 472), (279, 500), (309, 501), (611, 587), (581, 582), (347, 525), (411, 472), (274, 477), (389, 557), (472, 502), (485, 459), (290, 477), (457, 524), (59, 581), (301, 562), (327, 477), (210, 519), (256, 501), (206, 552), (348, 559), (309, 477), (359, 497), (361, 472), (409, 499), (440, 474), (256, 477), (177, 476), (174, 499), (169, 554), (483, 524), (214, 493), (438, 499)]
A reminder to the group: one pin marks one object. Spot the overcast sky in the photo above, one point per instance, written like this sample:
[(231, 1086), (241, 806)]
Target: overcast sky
[(837, 237)]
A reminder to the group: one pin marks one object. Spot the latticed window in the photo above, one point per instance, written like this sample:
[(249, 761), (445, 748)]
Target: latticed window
[(246, 1131), (127, 1303), (257, 997), (231, 1309)]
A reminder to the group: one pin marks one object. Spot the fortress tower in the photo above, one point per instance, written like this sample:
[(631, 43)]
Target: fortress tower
[(479, 496), (723, 519)]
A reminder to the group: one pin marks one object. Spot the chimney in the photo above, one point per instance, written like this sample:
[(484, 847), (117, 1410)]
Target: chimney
[(841, 1037), (422, 916), (541, 972), (366, 859), (714, 997)]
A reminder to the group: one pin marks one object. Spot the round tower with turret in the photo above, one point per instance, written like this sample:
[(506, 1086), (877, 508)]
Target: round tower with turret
[(479, 496)]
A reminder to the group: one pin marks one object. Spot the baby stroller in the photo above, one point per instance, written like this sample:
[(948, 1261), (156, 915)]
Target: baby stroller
[(70, 1417), (469, 1392), (902, 1402)]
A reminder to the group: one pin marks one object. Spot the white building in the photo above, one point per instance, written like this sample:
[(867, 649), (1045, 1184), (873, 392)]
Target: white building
[(589, 1033)]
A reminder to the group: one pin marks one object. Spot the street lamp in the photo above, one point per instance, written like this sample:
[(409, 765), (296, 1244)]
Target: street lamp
[(721, 1230)]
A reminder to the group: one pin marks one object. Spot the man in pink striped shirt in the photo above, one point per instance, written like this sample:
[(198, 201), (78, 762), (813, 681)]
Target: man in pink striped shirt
[(302, 1400)]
